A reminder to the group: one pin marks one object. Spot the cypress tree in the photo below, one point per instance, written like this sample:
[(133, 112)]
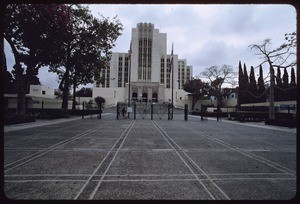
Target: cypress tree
[(278, 78), (252, 83), (285, 79), (246, 79), (241, 77), (293, 78), (260, 81)]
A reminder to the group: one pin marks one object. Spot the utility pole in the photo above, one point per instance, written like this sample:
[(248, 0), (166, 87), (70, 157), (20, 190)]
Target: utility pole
[(172, 69), (129, 79)]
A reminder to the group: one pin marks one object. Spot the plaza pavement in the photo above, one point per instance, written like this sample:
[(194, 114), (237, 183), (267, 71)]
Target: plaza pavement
[(145, 159)]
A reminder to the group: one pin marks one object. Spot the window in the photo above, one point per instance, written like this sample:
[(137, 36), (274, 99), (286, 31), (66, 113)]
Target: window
[(43, 92)]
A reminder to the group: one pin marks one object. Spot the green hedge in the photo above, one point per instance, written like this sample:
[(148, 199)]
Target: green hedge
[(10, 116), (291, 123), (257, 116), (209, 114), (15, 119)]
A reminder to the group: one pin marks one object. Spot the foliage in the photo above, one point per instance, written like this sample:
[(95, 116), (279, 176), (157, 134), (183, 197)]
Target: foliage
[(30, 30), (285, 79), (217, 76), (283, 56), (89, 104), (283, 91), (278, 78), (252, 81), (99, 101), (197, 88), (84, 92), (293, 78), (85, 51)]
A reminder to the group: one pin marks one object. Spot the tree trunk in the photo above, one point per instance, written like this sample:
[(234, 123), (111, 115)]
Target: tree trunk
[(21, 97), (74, 92), (4, 63), (65, 90), (66, 83), (271, 99)]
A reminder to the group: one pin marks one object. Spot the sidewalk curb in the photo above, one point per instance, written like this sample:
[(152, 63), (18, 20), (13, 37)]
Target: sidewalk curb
[(9, 128)]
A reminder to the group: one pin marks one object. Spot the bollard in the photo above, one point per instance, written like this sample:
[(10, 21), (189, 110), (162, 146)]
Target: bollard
[(185, 112), (168, 111), (134, 111), (100, 111), (42, 109), (202, 111), (118, 111), (152, 111), (218, 113)]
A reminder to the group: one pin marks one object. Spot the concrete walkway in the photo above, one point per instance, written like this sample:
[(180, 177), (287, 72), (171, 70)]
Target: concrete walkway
[(92, 159)]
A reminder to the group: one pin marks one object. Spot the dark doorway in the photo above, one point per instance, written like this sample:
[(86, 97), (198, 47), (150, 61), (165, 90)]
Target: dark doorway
[(154, 97), (144, 97)]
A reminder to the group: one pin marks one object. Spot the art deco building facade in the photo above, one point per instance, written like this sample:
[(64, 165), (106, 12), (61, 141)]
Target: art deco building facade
[(149, 67)]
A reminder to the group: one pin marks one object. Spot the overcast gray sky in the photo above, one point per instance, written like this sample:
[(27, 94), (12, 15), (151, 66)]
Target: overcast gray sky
[(204, 35)]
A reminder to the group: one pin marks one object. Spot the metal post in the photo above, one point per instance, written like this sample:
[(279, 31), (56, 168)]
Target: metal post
[(152, 111), (169, 111), (134, 111), (129, 75), (185, 112), (100, 110), (172, 103), (202, 111), (42, 109), (118, 111)]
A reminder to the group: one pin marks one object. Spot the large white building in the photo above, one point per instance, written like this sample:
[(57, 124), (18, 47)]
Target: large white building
[(149, 67)]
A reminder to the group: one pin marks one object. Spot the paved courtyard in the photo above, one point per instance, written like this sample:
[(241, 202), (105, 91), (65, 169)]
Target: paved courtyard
[(149, 159)]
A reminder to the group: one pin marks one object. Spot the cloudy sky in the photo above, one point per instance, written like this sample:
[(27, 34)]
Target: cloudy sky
[(204, 35)]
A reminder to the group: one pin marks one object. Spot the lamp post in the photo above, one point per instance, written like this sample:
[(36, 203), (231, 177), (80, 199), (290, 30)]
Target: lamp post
[(172, 69), (129, 79)]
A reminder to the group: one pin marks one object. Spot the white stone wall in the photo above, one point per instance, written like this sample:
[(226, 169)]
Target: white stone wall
[(111, 95), (37, 90), (159, 51)]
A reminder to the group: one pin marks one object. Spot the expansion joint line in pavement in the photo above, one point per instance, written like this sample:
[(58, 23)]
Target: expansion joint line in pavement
[(118, 144), (248, 154), (214, 191), (52, 147)]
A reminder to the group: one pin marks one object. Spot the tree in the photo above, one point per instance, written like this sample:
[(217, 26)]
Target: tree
[(86, 50), (99, 101), (278, 78), (279, 57), (252, 82), (241, 77), (197, 88), (246, 78), (217, 76), (285, 79), (293, 78), (30, 30), (241, 83), (261, 90), (84, 92)]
